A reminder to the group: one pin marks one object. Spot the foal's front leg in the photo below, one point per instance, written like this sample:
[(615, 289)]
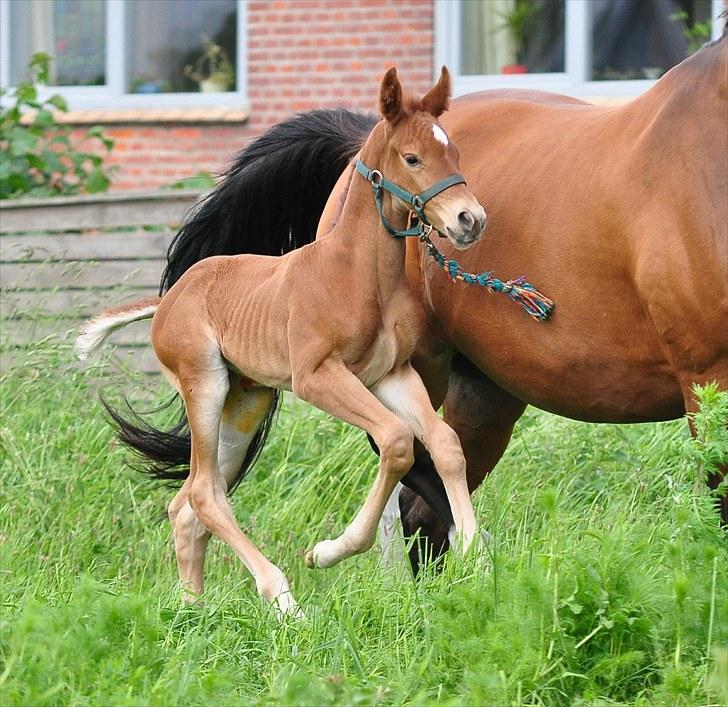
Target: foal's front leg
[(334, 389), (403, 392)]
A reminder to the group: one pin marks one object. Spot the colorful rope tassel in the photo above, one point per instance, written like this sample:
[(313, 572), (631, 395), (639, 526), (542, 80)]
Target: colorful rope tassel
[(524, 293)]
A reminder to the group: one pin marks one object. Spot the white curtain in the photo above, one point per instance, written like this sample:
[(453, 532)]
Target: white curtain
[(486, 46), (33, 31)]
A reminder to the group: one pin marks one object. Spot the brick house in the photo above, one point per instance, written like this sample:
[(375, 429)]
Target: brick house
[(144, 70)]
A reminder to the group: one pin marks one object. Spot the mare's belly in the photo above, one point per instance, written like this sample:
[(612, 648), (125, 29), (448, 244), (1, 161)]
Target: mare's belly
[(598, 361), (585, 380)]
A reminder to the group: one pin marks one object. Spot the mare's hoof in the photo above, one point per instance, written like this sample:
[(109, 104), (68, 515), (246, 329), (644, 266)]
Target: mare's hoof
[(310, 560)]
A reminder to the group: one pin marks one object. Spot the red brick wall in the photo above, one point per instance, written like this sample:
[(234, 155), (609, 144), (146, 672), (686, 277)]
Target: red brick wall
[(150, 156), (318, 53), (302, 54)]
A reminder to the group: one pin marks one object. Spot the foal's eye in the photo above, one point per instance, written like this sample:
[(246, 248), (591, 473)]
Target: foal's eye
[(412, 160)]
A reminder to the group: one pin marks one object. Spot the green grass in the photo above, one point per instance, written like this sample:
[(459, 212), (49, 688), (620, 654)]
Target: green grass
[(606, 583)]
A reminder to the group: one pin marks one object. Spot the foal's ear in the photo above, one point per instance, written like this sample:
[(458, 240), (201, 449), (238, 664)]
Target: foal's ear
[(390, 95), (437, 99)]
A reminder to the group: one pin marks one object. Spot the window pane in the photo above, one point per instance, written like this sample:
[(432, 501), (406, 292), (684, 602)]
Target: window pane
[(71, 31), (512, 36), (642, 39), (181, 45)]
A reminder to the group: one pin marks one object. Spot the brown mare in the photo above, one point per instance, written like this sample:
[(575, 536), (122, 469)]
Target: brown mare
[(617, 213), (335, 322)]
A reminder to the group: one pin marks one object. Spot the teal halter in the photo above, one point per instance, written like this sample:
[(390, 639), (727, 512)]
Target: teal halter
[(416, 202)]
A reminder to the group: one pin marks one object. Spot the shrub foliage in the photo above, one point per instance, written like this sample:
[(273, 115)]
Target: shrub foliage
[(37, 155)]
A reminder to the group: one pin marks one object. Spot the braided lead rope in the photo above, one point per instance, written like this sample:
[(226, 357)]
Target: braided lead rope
[(524, 293)]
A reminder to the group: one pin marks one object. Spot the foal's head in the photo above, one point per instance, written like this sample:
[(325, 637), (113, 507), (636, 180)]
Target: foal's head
[(418, 154)]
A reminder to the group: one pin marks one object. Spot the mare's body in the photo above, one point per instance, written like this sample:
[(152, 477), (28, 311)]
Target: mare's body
[(620, 214)]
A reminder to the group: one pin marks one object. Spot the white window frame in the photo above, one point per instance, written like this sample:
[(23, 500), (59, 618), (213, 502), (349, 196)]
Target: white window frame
[(572, 81), (113, 94)]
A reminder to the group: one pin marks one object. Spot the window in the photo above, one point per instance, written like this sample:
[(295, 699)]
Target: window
[(128, 53), (172, 49), (71, 31), (642, 40), (512, 37), (581, 47)]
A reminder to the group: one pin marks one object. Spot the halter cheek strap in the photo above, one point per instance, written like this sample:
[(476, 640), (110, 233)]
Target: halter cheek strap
[(416, 202)]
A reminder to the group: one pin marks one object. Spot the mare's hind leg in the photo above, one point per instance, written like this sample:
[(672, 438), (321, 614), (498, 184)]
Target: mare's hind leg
[(205, 387), (483, 416)]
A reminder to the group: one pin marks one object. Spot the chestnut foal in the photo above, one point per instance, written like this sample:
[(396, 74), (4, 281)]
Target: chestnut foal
[(335, 322)]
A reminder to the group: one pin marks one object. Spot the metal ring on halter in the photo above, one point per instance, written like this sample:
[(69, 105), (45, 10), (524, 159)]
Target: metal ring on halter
[(379, 177)]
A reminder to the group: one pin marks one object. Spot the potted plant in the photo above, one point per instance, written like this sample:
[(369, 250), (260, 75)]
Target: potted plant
[(519, 23), (213, 71), (696, 34)]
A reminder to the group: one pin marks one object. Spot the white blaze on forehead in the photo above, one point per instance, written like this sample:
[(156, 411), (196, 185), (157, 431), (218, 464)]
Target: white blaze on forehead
[(439, 134)]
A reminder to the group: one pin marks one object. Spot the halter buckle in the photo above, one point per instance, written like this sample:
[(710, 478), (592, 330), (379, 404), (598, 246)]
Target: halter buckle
[(375, 178)]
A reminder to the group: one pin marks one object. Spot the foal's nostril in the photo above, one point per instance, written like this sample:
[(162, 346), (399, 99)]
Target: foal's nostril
[(466, 220)]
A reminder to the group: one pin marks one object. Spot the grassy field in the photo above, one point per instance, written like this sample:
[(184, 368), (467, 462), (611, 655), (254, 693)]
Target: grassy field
[(606, 583)]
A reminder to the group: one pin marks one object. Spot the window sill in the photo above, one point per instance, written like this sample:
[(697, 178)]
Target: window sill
[(112, 116)]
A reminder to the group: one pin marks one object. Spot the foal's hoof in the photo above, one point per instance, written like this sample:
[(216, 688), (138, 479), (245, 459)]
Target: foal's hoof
[(324, 554), (286, 606)]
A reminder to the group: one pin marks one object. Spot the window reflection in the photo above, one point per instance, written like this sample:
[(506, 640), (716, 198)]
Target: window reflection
[(73, 32), (512, 36), (181, 46), (641, 39)]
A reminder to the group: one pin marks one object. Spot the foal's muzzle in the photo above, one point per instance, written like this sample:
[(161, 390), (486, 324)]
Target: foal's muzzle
[(471, 224)]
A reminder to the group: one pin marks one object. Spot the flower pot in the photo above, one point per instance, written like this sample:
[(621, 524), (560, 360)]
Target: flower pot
[(514, 69), (212, 86)]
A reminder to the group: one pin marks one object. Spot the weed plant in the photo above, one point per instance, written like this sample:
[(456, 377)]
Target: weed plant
[(605, 583)]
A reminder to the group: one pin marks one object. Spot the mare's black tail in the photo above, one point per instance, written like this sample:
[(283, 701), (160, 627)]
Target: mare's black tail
[(268, 202), (165, 454)]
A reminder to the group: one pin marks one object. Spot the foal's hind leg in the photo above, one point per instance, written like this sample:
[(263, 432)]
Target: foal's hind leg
[(205, 388), (189, 534), (243, 413), (190, 543)]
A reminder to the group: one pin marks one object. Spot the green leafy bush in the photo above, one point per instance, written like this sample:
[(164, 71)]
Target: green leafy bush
[(37, 156)]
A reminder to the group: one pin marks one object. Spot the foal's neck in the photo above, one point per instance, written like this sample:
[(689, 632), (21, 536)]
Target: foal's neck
[(372, 255)]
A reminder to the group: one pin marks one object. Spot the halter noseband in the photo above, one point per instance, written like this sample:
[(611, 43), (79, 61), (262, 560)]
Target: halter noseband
[(416, 202)]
